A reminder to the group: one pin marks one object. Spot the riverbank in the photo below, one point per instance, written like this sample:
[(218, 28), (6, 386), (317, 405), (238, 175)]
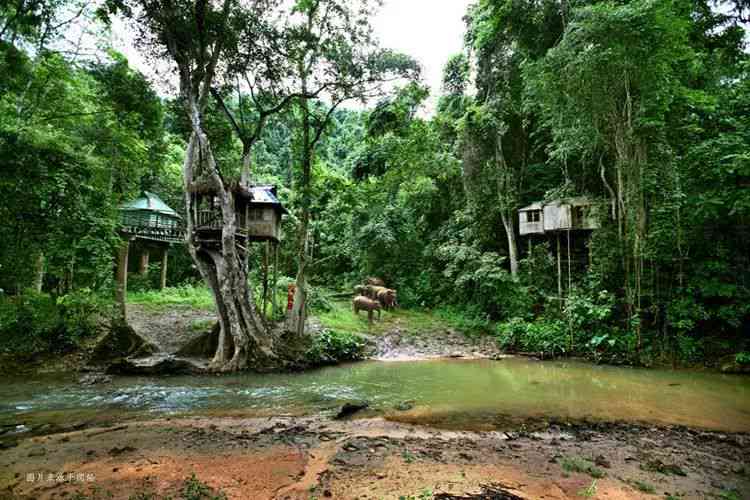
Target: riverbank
[(317, 457)]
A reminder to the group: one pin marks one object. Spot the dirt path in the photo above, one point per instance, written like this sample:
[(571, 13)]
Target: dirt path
[(404, 345), (314, 458), (172, 328)]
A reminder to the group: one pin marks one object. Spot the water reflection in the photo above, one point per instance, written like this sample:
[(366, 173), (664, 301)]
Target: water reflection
[(456, 391)]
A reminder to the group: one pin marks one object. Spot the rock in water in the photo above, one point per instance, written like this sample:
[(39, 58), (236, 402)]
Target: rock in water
[(94, 378), (156, 365), (350, 409), (405, 406), (203, 346), (121, 341)]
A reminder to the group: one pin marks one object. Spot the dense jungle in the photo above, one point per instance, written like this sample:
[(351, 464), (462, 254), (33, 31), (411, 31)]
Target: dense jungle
[(247, 250)]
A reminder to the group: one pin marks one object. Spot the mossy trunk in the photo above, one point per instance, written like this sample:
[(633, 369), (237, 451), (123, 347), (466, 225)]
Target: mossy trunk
[(245, 342)]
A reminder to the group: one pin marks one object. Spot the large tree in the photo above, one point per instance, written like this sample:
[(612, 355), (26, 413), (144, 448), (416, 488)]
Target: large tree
[(500, 134), (266, 52), (336, 51)]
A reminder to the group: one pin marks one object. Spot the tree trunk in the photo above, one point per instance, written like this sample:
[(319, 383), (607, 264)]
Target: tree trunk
[(38, 273), (510, 231), (299, 309), (122, 280), (244, 339), (163, 277)]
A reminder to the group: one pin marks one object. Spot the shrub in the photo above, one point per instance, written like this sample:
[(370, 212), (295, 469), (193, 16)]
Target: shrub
[(742, 358), (469, 319), (331, 346), (318, 300), (546, 336), (33, 323), (79, 310)]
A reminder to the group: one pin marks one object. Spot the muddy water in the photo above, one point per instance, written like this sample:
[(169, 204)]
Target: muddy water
[(447, 393)]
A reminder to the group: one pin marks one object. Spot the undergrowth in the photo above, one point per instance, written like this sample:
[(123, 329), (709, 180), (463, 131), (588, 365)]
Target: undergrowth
[(197, 297)]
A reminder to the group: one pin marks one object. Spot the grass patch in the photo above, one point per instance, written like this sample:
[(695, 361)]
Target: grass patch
[(662, 468), (202, 325), (590, 491), (730, 495), (578, 464), (408, 456), (195, 489), (196, 297), (340, 317), (643, 486)]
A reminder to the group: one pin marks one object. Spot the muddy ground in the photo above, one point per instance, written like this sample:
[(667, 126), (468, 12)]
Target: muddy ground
[(170, 329), (371, 458), (368, 457)]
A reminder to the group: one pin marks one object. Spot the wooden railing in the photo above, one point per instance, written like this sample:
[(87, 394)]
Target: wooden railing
[(167, 234), (208, 219)]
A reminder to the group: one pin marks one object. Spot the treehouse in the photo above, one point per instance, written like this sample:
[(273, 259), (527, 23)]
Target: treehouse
[(153, 226), (566, 217), (566, 214), (258, 213), (149, 218)]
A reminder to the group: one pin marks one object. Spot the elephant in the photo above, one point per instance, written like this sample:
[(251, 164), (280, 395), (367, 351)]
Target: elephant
[(362, 303), (387, 298)]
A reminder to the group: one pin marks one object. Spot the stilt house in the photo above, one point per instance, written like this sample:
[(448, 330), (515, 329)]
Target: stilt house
[(565, 214), (153, 226), (258, 212), (566, 217)]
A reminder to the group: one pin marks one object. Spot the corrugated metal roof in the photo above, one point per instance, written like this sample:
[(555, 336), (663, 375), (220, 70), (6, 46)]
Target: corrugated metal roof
[(265, 195), (149, 202), (575, 201), (533, 206)]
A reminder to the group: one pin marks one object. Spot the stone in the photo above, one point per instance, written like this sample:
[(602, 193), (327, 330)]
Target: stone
[(121, 341), (94, 379), (156, 365), (349, 409)]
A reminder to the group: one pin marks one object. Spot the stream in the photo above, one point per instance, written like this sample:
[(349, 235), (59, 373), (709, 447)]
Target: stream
[(478, 394)]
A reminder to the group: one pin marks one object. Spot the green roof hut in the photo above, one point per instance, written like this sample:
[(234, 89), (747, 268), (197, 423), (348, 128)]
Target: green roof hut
[(154, 225), (148, 217)]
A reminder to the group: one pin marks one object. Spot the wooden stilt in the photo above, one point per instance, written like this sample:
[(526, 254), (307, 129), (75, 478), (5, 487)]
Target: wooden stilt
[(122, 279), (274, 279), (570, 275), (265, 277), (143, 268), (164, 257), (559, 270)]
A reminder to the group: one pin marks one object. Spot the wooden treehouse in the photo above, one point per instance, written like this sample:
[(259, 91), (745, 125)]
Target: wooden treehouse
[(572, 218), (153, 226), (258, 215), (566, 214)]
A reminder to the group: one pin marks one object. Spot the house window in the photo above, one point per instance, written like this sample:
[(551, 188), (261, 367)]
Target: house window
[(578, 214), (256, 214), (533, 216)]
